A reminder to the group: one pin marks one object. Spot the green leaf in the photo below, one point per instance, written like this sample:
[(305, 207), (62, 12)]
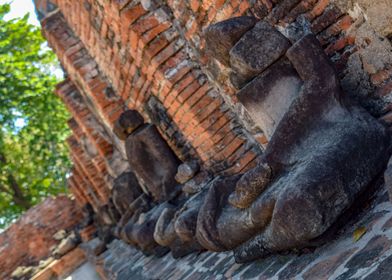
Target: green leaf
[(46, 183), (32, 118)]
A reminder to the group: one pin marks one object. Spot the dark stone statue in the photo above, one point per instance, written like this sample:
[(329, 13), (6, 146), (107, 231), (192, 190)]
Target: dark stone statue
[(149, 156), (150, 221), (128, 121), (176, 227), (129, 201), (140, 231), (323, 149), (126, 189), (323, 152)]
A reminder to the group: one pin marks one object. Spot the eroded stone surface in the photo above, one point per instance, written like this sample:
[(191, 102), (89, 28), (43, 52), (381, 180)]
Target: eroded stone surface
[(141, 232), (186, 171), (257, 50), (302, 184), (222, 36), (125, 190), (66, 245), (163, 217), (153, 161), (268, 97), (388, 178), (176, 226), (128, 122)]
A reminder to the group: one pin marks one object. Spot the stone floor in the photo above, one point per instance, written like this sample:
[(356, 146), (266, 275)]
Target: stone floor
[(84, 272), (370, 257)]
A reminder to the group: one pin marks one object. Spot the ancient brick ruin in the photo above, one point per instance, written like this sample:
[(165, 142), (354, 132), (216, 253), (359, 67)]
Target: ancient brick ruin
[(30, 239), (173, 101)]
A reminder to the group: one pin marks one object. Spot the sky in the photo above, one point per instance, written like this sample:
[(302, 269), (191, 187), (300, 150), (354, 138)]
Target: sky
[(21, 7)]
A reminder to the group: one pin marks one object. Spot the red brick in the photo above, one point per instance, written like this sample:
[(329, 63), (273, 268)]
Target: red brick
[(384, 90), (155, 46), (29, 239), (318, 9), (302, 7), (340, 44), (206, 4), (329, 17), (194, 4), (68, 263), (179, 74), (130, 15), (162, 56), (195, 97), (205, 111), (144, 24), (232, 152), (154, 32), (342, 24)]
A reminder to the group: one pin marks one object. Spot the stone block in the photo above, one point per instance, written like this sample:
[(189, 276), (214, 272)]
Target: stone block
[(222, 36), (388, 178), (153, 162), (257, 50), (128, 122), (268, 96), (125, 190), (66, 245), (302, 184), (187, 171)]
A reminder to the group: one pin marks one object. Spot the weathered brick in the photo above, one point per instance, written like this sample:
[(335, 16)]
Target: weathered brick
[(318, 9), (29, 239), (329, 16)]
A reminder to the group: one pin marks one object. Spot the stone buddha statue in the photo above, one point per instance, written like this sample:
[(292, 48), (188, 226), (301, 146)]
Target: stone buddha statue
[(163, 215), (176, 226), (149, 156), (129, 201), (154, 165), (126, 189), (323, 151)]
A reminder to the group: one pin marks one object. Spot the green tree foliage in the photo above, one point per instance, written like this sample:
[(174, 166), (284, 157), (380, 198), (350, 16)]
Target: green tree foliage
[(33, 155)]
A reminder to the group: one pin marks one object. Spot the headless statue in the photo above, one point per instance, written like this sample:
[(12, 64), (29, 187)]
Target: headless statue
[(323, 150), (129, 201), (176, 226), (153, 162), (126, 189), (148, 220)]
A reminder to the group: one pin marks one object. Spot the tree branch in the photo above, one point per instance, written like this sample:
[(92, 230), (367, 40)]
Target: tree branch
[(4, 189), (17, 195)]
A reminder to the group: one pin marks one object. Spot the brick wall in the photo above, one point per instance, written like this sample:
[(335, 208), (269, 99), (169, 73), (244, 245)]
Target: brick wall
[(150, 56), (30, 238)]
